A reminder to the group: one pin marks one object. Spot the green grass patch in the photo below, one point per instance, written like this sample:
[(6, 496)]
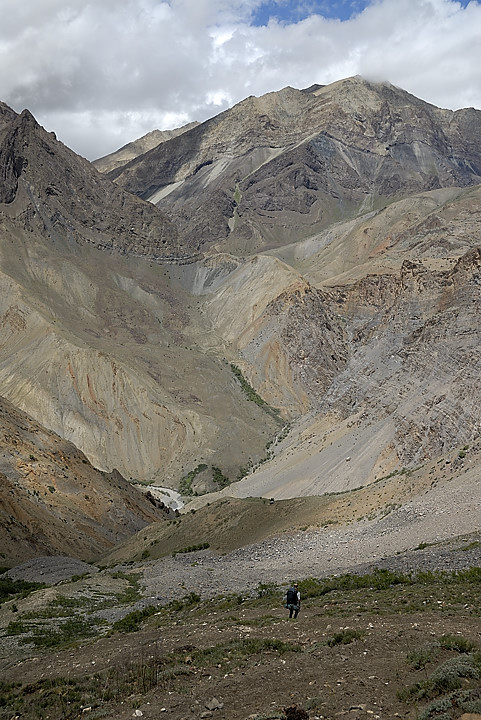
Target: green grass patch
[(186, 482), (380, 579), (133, 621), (64, 633), (10, 589), (219, 478), (132, 592), (446, 592)]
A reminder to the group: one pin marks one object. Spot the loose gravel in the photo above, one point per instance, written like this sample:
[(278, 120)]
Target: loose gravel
[(440, 530)]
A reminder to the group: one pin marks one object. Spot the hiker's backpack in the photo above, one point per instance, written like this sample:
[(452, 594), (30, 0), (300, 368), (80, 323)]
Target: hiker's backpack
[(292, 596)]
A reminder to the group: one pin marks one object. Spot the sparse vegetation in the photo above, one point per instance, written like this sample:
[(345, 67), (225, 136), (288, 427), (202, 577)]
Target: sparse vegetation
[(186, 482), (449, 665), (133, 620), (65, 632), (192, 548), (10, 589), (420, 657), (267, 590), (57, 696), (251, 394), (442, 686), (219, 478), (456, 642)]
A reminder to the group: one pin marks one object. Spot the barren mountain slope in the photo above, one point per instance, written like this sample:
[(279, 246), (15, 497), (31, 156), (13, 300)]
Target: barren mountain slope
[(274, 169), (437, 226), (52, 501), (408, 392), (93, 343), (385, 366), (95, 348), (270, 320)]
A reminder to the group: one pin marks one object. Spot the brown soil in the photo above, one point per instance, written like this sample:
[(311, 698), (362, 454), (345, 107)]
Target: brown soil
[(361, 679)]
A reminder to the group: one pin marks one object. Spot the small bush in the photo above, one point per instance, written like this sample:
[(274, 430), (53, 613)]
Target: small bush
[(380, 579), (345, 637), (444, 679), (11, 588), (17, 627), (267, 590), (455, 642), (187, 601), (418, 659), (133, 620), (219, 478), (448, 676)]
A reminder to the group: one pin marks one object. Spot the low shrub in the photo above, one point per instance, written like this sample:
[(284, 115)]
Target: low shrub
[(191, 548), (456, 642), (133, 620), (345, 637), (13, 588)]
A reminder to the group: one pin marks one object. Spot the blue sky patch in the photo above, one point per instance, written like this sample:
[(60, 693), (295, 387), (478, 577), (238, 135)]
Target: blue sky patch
[(293, 11)]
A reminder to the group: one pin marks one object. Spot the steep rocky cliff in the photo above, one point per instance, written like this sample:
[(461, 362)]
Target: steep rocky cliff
[(46, 188)]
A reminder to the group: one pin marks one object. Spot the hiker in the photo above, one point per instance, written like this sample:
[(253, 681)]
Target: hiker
[(293, 600)]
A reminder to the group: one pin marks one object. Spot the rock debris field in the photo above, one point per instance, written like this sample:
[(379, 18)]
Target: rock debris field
[(440, 530)]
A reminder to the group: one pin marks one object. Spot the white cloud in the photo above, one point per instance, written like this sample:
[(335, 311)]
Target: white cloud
[(101, 73)]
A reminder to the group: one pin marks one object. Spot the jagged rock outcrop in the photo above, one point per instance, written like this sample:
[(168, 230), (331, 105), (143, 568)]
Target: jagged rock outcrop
[(47, 188)]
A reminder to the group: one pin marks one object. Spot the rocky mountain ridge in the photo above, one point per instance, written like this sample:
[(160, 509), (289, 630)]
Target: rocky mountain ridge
[(296, 161), (138, 147), (311, 266)]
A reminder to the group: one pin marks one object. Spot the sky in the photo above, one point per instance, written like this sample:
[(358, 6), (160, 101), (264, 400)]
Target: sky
[(101, 73)]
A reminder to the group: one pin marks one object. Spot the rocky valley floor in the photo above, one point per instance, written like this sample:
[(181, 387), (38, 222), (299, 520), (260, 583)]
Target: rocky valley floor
[(215, 641)]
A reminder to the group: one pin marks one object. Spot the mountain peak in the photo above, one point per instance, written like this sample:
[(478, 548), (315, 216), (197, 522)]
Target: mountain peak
[(53, 181), (291, 159)]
